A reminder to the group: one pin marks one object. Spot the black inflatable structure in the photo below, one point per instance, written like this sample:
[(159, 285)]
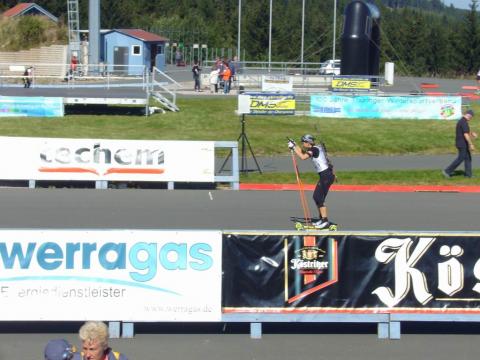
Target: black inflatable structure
[(361, 39)]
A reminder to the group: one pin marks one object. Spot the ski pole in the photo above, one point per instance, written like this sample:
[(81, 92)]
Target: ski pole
[(303, 201)]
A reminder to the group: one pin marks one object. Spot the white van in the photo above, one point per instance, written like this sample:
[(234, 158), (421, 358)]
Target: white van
[(330, 67)]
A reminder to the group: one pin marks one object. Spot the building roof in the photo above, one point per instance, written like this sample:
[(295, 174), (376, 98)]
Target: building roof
[(24, 8), (142, 35)]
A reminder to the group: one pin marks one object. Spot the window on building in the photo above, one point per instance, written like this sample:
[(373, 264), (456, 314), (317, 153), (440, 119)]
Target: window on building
[(136, 50)]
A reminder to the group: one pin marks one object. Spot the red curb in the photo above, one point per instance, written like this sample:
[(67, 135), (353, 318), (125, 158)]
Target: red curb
[(367, 188), (429, 86)]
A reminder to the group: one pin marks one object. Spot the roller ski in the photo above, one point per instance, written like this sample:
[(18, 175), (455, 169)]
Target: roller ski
[(314, 227)]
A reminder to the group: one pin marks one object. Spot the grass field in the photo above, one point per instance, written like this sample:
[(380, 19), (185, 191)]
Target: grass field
[(214, 118), (403, 177)]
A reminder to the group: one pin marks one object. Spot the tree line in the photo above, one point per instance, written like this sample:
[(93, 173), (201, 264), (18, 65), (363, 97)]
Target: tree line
[(422, 37)]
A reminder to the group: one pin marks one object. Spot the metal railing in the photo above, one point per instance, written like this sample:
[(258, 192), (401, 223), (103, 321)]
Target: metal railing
[(61, 75)]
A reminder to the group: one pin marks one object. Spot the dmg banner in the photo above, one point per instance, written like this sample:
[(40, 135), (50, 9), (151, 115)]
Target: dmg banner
[(387, 107), (31, 106), (266, 103), (100, 159), (347, 83), (353, 274), (122, 275)]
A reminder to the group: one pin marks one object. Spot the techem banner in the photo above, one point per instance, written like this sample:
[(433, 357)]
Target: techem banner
[(110, 160)]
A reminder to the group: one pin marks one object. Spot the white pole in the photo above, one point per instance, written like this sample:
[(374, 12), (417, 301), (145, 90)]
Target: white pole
[(270, 38), (303, 30), (334, 26), (239, 27)]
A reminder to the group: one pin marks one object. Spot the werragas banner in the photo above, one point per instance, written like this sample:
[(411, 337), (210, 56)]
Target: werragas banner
[(110, 160), (121, 275), (351, 274)]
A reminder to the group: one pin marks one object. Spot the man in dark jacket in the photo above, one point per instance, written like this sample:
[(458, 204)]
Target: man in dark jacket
[(464, 143)]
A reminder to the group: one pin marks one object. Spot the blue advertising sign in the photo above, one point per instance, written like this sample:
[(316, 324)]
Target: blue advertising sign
[(386, 107), (31, 106)]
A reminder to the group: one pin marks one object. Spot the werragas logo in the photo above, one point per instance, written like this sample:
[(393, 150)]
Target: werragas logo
[(312, 266)]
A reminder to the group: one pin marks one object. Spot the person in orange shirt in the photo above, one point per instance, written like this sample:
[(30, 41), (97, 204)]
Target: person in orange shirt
[(226, 74)]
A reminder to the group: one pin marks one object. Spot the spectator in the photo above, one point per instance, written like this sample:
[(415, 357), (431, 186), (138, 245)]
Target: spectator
[(233, 69), (196, 75), (72, 68), (60, 349), (213, 79), (226, 74), (178, 57), (478, 81), (220, 66), (27, 77), (73, 64), (94, 336)]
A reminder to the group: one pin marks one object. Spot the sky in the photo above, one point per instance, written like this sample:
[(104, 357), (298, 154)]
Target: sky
[(459, 4)]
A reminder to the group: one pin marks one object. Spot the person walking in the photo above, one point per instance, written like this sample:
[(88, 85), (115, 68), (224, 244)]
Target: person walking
[(324, 168), (464, 144)]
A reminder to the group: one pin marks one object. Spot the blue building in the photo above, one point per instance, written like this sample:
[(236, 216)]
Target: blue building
[(129, 51)]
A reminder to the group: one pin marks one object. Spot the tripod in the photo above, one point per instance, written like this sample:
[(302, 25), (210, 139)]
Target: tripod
[(245, 143)]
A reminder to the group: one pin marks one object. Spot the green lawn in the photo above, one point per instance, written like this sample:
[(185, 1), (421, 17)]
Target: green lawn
[(213, 118), (404, 177)]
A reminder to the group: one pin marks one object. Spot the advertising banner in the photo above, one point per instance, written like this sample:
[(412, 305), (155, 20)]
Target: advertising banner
[(342, 83), (387, 107), (266, 103), (351, 274), (31, 106), (121, 275), (281, 83), (100, 159)]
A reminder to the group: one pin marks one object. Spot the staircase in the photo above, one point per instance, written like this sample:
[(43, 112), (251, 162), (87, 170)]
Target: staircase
[(163, 89), (165, 102)]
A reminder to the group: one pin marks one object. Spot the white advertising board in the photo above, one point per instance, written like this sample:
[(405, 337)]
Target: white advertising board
[(111, 160), (121, 275), (273, 83)]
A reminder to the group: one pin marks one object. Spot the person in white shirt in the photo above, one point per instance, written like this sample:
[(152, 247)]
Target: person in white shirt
[(324, 168)]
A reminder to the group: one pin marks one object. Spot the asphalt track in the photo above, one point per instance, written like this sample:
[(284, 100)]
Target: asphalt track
[(232, 210)]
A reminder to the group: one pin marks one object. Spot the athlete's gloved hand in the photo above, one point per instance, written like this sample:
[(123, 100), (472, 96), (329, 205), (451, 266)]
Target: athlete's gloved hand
[(291, 144)]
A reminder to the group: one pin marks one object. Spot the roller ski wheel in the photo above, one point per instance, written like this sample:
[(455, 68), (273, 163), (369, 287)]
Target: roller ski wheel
[(304, 227)]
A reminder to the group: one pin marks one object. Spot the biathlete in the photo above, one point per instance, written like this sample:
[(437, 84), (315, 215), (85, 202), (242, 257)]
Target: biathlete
[(324, 168)]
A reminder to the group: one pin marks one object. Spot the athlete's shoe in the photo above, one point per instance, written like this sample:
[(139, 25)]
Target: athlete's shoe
[(321, 224)]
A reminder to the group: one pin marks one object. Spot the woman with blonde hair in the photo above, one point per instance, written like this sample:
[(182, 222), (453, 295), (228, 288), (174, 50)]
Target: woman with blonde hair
[(94, 336)]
